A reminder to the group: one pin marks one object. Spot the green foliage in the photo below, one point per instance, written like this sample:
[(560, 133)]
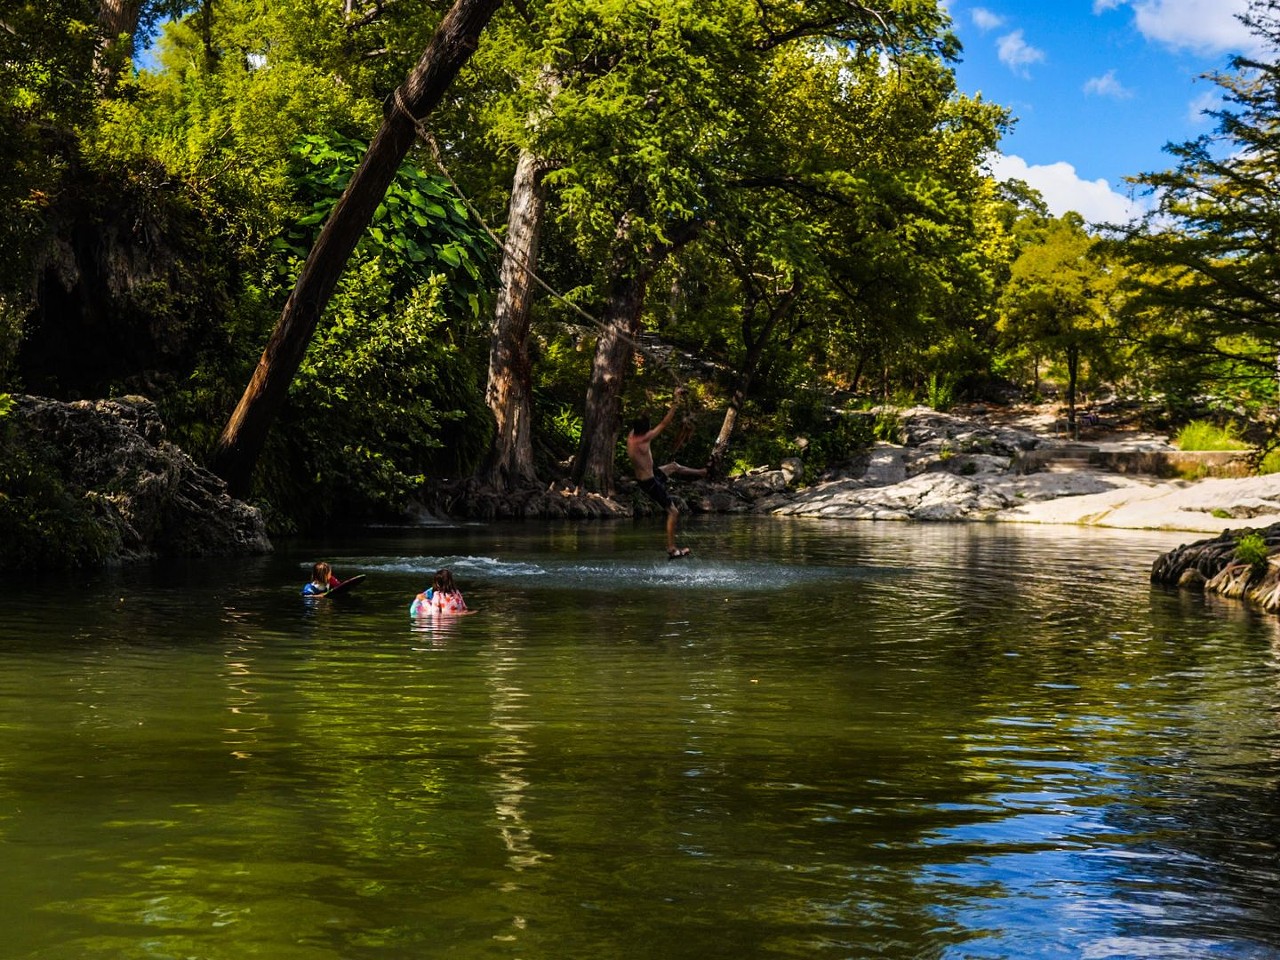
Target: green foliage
[(566, 428), (940, 391), (1202, 435), (1205, 302), (843, 437), (807, 429), (10, 341), (1252, 549), (378, 404), (888, 426), (46, 92), (561, 368), (1059, 302), (1270, 462), (421, 227)]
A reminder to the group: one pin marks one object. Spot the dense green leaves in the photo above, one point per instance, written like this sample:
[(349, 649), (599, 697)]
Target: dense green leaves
[(797, 188), (379, 402), (46, 93), (421, 228)]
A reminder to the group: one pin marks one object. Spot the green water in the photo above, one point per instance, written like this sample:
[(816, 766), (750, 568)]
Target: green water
[(808, 740)]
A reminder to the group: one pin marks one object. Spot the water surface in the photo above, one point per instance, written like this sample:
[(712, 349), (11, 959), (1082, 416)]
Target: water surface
[(808, 740)]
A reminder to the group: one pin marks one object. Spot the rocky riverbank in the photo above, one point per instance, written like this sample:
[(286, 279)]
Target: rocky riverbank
[(1024, 470), (987, 465), (143, 497), (102, 473)]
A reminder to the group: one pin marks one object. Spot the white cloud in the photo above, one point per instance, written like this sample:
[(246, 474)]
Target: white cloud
[(1063, 190), (1206, 27), (985, 20), (1016, 54), (1101, 6), (1209, 100), (1107, 86)]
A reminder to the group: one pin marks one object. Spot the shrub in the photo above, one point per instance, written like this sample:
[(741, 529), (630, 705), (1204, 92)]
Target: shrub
[(888, 427), (941, 390), (1202, 435), (1252, 549)]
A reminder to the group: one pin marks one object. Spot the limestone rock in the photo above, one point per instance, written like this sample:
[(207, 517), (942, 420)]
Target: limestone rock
[(156, 499)]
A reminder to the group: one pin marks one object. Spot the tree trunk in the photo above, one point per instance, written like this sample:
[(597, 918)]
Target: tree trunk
[(118, 22), (245, 433), (630, 273), (509, 391), (510, 388), (593, 464), (857, 371), (1073, 371), (750, 363)]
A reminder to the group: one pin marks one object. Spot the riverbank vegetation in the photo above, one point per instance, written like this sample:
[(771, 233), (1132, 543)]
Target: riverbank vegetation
[(785, 209)]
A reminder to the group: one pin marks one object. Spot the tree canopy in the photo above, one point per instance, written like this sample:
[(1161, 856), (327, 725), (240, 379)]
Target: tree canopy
[(783, 206), (1206, 257)]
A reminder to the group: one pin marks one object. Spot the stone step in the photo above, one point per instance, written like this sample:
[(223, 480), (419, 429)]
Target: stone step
[(1066, 464), (1071, 450), (1058, 458)]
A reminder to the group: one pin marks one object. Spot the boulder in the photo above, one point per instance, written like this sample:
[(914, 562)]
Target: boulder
[(931, 430), (155, 500)]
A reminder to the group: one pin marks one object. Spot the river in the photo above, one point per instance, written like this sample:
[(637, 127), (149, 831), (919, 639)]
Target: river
[(808, 740)]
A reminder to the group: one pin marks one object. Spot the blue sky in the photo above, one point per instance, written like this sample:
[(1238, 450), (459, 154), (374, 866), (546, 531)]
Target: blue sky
[(1098, 87)]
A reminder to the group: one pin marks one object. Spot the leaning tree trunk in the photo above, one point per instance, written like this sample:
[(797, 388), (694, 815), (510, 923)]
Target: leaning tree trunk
[(245, 433), (509, 391)]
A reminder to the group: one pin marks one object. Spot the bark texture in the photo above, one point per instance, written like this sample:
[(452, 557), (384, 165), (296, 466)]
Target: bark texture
[(631, 269), (117, 22), (509, 391), (593, 464)]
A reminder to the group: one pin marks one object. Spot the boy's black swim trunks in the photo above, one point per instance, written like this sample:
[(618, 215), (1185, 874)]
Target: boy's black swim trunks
[(656, 489)]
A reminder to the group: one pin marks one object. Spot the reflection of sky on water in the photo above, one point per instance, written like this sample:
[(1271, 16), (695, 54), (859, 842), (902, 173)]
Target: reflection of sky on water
[(612, 575), (1077, 858)]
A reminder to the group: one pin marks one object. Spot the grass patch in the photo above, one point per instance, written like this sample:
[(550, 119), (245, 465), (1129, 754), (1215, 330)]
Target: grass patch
[(1202, 435)]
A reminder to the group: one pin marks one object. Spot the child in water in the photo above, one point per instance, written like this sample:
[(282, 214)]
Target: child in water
[(322, 580), (443, 596)]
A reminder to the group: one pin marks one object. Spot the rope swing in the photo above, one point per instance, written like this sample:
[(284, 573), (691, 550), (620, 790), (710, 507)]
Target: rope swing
[(436, 154)]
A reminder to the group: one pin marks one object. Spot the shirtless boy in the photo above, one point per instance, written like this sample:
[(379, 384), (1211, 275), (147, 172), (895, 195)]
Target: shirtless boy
[(653, 481)]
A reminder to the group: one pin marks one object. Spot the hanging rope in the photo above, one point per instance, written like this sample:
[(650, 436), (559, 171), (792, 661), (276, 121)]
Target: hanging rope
[(429, 139)]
